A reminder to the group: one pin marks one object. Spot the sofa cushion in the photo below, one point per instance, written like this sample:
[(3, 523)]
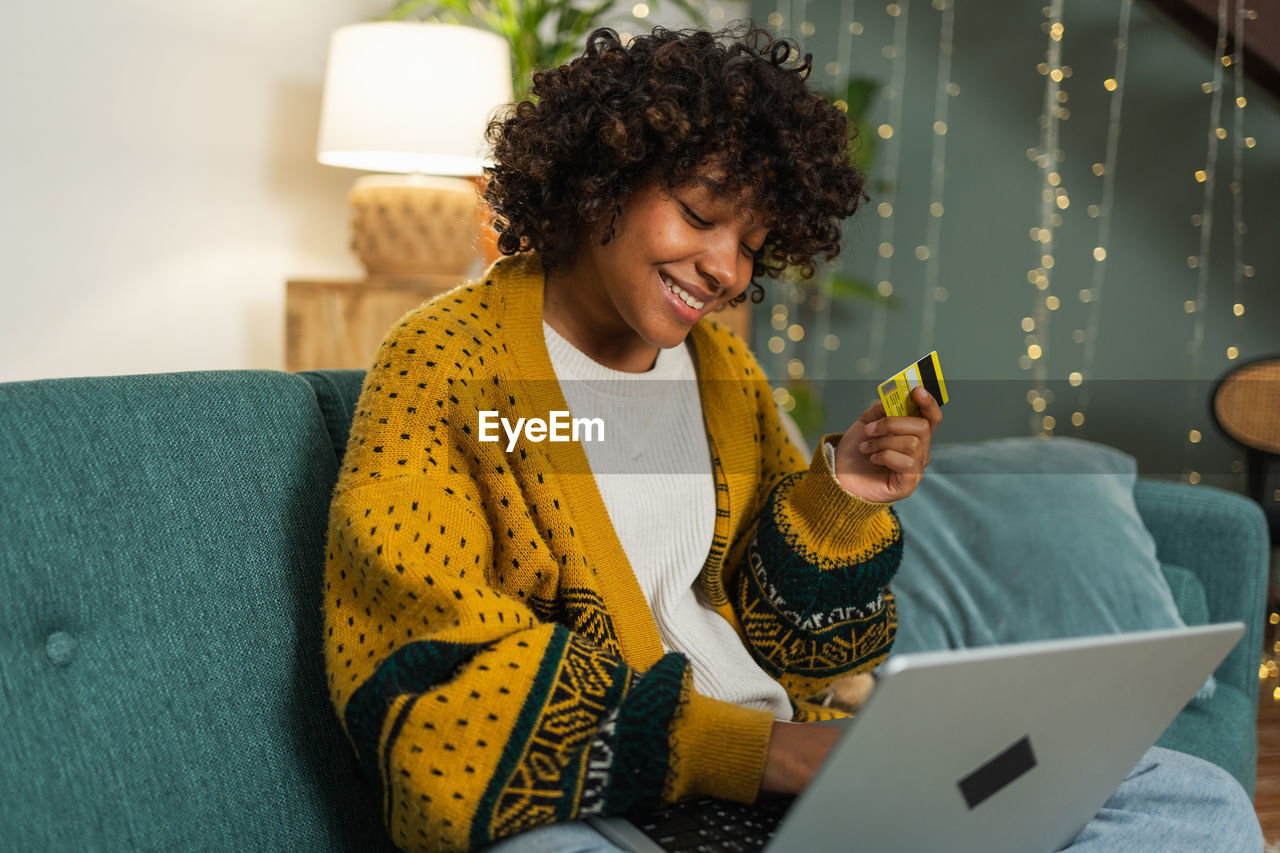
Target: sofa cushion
[(1026, 539), (160, 661), (1188, 593)]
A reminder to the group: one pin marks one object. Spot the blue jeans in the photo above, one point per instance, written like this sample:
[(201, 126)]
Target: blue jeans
[(1171, 802)]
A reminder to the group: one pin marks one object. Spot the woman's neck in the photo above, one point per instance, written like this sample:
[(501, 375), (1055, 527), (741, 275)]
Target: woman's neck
[(577, 307)]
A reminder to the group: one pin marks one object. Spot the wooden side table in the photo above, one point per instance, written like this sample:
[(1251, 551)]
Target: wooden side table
[(339, 323)]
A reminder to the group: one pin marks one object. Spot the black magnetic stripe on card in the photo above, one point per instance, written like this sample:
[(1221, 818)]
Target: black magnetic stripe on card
[(942, 382), (929, 377), (997, 773)]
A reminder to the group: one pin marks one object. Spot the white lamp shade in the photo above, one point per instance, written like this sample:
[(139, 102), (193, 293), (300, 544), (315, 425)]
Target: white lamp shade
[(412, 97)]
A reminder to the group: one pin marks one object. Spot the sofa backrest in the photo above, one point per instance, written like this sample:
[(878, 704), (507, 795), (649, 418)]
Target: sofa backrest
[(161, 682)]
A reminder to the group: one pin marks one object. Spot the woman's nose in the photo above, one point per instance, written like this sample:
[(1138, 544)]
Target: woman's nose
[(723, 262)]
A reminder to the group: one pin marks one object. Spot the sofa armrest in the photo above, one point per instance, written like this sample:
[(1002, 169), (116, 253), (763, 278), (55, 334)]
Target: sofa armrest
[(337, 392), (1221, 537)]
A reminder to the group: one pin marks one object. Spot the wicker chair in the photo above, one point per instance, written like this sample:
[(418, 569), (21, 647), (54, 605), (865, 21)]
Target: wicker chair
[(1246, 406)]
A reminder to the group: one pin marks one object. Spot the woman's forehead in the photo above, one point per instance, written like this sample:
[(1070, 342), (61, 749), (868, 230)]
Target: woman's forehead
[(741, 195)]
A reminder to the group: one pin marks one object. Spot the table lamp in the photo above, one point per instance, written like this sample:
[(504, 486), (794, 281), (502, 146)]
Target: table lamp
[(412, 99)]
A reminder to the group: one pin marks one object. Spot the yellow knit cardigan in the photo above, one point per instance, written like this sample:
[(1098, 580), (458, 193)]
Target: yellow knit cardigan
[(488, 648)]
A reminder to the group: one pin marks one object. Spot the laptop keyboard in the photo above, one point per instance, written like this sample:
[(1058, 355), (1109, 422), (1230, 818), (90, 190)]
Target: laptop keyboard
[(708, 825)]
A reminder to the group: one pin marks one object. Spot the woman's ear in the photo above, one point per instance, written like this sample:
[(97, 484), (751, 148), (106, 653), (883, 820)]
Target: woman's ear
[(610, 230)]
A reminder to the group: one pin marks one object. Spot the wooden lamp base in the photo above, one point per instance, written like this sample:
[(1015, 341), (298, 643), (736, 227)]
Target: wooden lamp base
[(412, 225)]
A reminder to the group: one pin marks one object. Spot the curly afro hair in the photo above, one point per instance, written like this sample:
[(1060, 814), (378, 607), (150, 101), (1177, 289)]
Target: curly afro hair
[(663, 107)]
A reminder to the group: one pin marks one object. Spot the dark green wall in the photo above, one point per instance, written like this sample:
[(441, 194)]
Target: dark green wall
[(1144, 397)]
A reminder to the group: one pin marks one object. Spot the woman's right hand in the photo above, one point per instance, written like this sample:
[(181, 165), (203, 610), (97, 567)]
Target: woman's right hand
[(795, 753)]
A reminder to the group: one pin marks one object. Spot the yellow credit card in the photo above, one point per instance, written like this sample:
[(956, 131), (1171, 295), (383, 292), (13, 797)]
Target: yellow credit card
[(895, 392)]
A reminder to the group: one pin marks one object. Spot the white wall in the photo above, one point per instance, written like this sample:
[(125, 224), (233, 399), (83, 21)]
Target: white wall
[(158, 181)]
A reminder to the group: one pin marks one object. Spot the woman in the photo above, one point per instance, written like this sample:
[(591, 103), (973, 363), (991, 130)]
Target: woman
[(523, 631)]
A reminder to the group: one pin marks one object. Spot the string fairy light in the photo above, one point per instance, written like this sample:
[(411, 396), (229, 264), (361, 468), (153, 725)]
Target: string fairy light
[(824, 340), (802, 303), (890, 132), (1200, 263), (1269, 668), (800, 32), (786, 320), (1239, 270), (1052, 195), (931, 250), (1107, 169)]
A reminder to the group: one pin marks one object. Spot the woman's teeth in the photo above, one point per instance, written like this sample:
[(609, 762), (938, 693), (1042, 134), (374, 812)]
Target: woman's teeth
[(695, 304)]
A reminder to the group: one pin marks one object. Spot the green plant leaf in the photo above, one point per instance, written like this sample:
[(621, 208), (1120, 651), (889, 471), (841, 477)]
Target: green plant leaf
[(411, 7), (844, 286), (881, 187), (542, 33), (859, 92), (587, 19), (862, 153), (808, 412)]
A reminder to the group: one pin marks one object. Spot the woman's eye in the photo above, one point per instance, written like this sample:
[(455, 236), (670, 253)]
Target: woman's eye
[(695, 218)]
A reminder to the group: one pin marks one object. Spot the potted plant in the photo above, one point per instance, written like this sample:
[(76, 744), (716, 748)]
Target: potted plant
[(542, 33)]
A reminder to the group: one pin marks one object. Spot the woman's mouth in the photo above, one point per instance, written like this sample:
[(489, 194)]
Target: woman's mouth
[(682, 294)]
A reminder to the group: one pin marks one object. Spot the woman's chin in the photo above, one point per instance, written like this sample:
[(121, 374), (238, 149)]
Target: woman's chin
[(673, 335)]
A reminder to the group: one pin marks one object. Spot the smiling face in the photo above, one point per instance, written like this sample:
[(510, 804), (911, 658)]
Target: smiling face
[(676, 255)]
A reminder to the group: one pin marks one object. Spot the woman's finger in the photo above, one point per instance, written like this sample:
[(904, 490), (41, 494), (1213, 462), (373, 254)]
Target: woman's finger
[(899, 463), (874, 412), (929, 407), (900, 426), (909, 445)]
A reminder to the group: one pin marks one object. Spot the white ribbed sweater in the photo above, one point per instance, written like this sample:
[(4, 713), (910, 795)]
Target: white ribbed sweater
[(654, 474)]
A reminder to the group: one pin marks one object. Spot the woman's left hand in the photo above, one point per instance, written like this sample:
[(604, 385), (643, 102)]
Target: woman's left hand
[(881, 459)]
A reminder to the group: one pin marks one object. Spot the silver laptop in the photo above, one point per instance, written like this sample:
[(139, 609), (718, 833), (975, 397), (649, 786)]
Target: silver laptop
[(1003, 748)]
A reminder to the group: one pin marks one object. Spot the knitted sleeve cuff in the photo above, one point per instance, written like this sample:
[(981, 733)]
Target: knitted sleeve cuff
[(839, 521), (720, 749)]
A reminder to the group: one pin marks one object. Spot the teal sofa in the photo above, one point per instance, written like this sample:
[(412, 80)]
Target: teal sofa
[(161, 685)]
